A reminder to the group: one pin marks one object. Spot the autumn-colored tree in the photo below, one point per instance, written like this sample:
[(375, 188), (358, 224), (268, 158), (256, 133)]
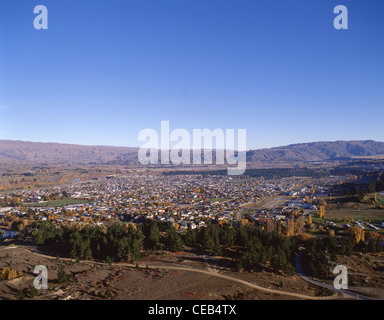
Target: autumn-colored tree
[(356, 234), (8, 274), (279, 223), (245, 222), (322, 202), (16, 201), (300, 225), (310, 219), (322, 212), (374, 235), (4, 273), (223, 222), (271, 225), (290, 228)]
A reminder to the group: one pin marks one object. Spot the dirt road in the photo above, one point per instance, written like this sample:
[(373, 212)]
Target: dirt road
[(202, 271)]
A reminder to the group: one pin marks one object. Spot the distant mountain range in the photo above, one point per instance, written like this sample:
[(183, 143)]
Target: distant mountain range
[(22, 152), (319, 151), (58, 153)]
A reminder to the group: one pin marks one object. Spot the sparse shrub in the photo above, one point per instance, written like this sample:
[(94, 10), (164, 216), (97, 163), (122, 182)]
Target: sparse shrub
[(33, 293), (108, 260), (21, 295), (62, 276)]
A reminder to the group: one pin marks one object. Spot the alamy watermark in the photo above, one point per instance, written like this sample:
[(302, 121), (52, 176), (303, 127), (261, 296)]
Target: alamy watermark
[(41, 281), (179, 147), (341, 20), (341, 281), (40, 21)]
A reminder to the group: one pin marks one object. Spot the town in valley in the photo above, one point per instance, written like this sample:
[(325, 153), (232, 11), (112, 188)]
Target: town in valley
[(260, 235)]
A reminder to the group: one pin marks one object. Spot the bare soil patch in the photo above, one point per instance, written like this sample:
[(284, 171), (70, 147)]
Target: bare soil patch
[(95, 281)]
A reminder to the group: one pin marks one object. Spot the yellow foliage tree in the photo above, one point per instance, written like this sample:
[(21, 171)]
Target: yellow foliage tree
[(322, 212), (4, 273), (356, 234), (245, 222), (8, 274), (290, 228)]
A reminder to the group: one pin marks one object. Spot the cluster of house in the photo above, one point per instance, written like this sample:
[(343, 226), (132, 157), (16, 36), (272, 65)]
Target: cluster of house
[(297, 201), (187, 201)]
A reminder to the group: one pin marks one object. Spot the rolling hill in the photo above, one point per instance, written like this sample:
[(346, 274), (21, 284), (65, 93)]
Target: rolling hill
[(57, 153), (318, 151), (22, 152)]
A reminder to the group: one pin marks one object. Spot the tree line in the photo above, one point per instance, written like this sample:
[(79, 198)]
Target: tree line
[(258, 173), (119, 242), (252, 249), (320, 250)]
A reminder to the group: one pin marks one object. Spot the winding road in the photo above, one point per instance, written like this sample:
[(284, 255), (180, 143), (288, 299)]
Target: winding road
[(338, 293), (202, 271), (343, 292)]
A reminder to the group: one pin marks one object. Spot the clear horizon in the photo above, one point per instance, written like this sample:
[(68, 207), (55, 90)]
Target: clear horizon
[(104, 71), (248, 149)]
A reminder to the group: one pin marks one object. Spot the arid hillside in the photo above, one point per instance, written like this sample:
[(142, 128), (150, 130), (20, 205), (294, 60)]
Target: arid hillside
[(22, 152)]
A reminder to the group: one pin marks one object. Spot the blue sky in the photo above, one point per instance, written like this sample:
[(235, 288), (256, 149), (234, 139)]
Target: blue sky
[(104, 70)]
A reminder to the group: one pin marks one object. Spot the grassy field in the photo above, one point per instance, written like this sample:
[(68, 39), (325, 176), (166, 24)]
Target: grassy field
[(380, 200), (249, 211), (217, 199), (355, 214), (57, 203), (239, 180)]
